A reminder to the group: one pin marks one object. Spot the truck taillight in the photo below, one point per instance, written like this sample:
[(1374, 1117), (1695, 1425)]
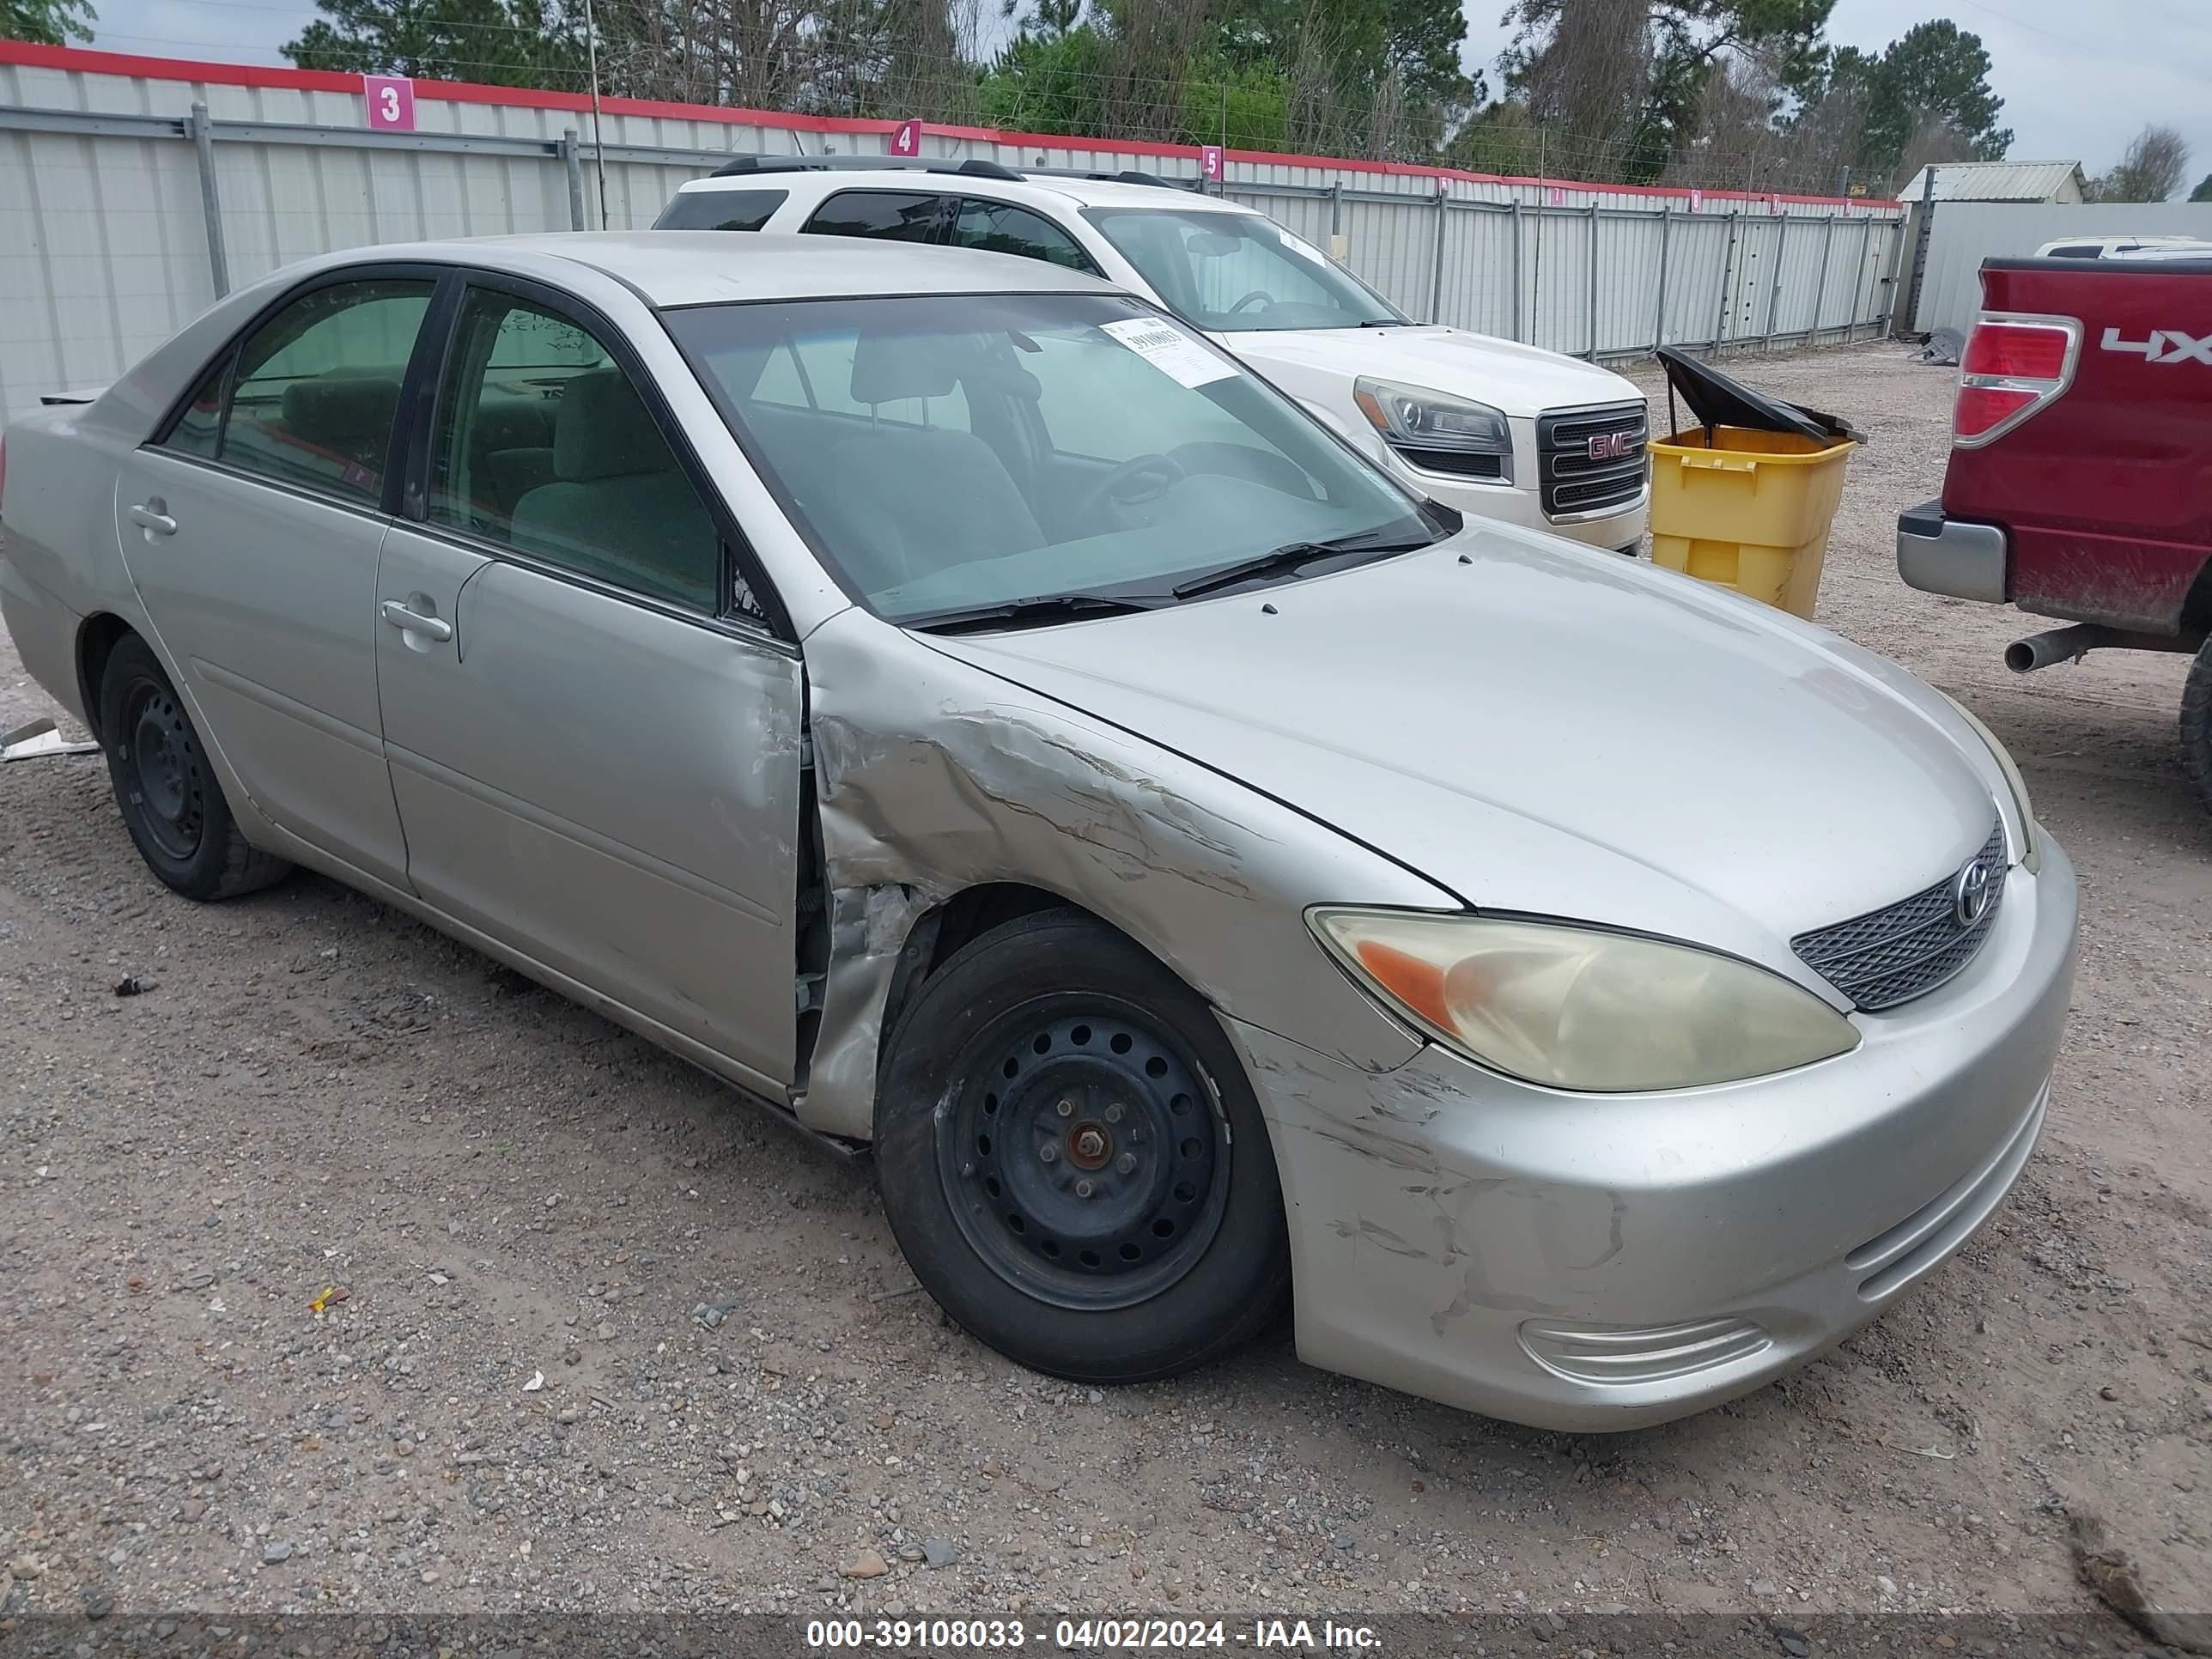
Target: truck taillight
[(2013, 366)]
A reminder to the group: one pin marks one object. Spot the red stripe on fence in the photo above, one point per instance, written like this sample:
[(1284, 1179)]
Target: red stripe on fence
[(85, 61)]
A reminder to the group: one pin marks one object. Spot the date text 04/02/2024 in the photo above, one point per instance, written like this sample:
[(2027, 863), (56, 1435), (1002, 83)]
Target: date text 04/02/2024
[(827, 1635)]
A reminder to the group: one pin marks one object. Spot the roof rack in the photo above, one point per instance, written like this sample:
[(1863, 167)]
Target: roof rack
[(974, 167)]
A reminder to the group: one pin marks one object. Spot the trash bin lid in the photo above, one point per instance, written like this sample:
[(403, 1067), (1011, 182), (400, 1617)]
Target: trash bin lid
[(1717, 400)]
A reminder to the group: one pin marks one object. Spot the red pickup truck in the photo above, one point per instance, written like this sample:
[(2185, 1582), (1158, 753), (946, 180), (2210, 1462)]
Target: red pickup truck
[(2080, 485)]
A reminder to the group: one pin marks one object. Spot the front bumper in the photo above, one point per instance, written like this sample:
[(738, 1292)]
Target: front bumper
[(1938, 554), (1589, 1263)]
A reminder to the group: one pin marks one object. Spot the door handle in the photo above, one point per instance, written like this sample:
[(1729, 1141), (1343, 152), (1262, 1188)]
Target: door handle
[(153, 518), (430, 628)]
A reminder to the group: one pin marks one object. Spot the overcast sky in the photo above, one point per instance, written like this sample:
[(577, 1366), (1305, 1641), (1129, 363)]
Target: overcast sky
[(2077, 79)]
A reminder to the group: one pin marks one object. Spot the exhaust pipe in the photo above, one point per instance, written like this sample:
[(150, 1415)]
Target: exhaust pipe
[(2071, 644), (2058, 644)]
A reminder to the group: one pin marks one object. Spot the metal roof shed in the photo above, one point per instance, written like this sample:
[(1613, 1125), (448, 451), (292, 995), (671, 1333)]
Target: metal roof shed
[(1999, 181)]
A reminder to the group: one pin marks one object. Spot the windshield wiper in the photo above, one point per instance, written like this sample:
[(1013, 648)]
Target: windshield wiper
[(1287, 558), (1018, 613), (1386, 322)]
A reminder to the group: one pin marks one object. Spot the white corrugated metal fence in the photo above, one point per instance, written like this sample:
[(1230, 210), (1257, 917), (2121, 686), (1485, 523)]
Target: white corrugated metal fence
[(1961, 234), (107, 244)]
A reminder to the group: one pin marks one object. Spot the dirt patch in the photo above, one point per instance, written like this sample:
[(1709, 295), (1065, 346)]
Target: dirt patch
[(313, 1101)]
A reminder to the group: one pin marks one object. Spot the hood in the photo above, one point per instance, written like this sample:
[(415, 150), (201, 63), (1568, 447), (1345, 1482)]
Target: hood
[(1541, 728), (1519, 380)]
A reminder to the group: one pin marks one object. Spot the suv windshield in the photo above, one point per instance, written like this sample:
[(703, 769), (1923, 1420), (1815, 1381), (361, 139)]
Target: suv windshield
[(947, 453), (1231, 271)]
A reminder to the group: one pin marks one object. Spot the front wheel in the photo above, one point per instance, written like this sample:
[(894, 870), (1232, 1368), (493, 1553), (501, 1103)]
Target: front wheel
[(2196, 724), (1072, 1159)]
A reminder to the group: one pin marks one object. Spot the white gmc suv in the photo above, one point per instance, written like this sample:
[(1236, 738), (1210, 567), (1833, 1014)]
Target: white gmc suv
[(1496, 429)]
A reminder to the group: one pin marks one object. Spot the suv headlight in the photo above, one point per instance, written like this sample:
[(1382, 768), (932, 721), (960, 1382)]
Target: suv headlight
[(1575, 1008), (1438, 433), (2031, 852)]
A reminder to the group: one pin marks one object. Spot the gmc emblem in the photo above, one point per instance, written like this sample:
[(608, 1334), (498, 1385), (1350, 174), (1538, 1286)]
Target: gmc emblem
[(1611, 445)]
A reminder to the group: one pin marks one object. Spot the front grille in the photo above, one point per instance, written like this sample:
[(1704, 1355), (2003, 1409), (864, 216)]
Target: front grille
[(1892, 955), (1457, 462), (1571, 480)]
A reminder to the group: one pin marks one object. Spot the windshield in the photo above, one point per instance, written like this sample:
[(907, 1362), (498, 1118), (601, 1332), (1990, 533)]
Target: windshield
[(1231, 271), (946, 453)]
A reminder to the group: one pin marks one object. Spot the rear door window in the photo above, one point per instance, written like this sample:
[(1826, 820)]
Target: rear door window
[(199, 429), (721, 209), (317, 386), (885, 215)]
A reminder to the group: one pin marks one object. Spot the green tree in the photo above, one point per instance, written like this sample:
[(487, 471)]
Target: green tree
[(2203, 190), (46, 22), (1562, 49), (2150, 170), (513, 43), (1053, 82), (1936, 75)]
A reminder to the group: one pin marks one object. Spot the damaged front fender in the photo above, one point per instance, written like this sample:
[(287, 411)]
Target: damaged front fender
[(933, 776)]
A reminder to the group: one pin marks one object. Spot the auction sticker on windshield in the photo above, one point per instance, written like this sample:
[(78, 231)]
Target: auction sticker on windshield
[(1170, 350)]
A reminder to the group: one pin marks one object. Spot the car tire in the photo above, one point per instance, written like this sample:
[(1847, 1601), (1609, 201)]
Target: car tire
[(1074, 1161), (171, 800), (2197, 724)]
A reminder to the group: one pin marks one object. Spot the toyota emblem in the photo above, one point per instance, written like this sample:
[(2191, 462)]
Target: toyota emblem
[(1969, 894)]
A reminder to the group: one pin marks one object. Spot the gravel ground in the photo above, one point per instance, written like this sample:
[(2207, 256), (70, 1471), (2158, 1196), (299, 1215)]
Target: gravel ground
[(343, 1268)]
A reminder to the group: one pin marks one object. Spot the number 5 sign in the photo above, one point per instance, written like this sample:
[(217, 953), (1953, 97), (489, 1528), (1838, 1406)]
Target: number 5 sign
[(391, 102)]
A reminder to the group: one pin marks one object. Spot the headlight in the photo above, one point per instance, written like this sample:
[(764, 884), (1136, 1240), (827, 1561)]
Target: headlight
[(1440, 433), (1575, 1008), (2031, 854)]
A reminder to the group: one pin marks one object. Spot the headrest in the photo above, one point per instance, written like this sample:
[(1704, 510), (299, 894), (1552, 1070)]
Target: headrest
[(1008, 378), (602, 430), (888, 366), (341, 413)]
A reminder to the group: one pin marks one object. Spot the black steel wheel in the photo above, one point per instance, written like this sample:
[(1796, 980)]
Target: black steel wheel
[(165, 788), (1072, 1158), (1085, 1154), (169, 782)]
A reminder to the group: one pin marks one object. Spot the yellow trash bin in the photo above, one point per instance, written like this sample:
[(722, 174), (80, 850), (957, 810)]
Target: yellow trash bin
[(1748, 510)]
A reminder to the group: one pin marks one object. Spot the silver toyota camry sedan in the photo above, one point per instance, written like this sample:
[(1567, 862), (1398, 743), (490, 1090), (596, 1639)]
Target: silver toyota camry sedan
[(976, 716)]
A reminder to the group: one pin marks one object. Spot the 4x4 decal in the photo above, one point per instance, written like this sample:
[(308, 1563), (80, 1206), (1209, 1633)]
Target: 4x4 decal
[(2165, 345)]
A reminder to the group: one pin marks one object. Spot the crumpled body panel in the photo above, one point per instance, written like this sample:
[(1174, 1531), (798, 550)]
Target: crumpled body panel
[(933, 776)]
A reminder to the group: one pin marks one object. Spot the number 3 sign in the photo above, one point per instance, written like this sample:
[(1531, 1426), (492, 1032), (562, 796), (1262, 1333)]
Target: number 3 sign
[(391, 102)]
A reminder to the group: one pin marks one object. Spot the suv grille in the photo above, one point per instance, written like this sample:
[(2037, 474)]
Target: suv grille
[(1892, 955), (1575, 481)]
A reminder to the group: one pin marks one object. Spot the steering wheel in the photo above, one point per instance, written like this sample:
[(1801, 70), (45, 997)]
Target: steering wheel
[(1116, 486), (1260, 294)]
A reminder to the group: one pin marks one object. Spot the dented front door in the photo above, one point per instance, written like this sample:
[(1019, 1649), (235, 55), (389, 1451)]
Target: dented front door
[(609, 787)]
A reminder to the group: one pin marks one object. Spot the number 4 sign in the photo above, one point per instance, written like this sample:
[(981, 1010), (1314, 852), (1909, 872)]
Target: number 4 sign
[(907, 139), (391, 102)]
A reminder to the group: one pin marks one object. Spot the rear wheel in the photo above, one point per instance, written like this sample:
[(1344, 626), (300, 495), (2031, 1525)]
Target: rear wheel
[(2196, 724), (1073, 1160), (165, 788)]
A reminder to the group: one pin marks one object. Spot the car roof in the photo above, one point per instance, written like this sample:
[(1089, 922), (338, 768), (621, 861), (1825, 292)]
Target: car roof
[(1037, 189), (705, 267)]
